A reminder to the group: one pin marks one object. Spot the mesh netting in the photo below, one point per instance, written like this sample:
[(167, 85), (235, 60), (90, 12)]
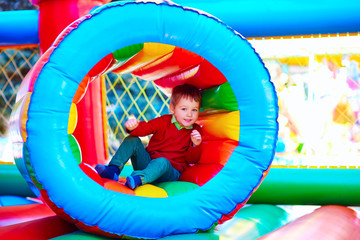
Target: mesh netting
[(14, 64), (126, 96)]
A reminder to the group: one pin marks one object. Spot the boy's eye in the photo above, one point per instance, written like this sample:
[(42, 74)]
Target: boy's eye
[(195, 110), (183, 109)]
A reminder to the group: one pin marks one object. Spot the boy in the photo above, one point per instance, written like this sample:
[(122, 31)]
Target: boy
[(174, 145)]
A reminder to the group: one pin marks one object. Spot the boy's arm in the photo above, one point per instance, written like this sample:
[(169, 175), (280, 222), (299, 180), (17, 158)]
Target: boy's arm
[(131, 124), (146, 128), (194, 151)]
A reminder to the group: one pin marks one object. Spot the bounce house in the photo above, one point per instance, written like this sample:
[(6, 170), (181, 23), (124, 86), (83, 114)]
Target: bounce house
[(58, 129)]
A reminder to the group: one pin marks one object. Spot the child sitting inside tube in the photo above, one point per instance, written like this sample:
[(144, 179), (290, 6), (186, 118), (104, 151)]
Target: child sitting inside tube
[(175, 142)]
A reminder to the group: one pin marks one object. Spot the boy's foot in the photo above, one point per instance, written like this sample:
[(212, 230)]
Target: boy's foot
[(133, 181), (111, 172)]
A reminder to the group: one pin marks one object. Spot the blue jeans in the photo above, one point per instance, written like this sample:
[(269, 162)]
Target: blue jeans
[(151, 170)]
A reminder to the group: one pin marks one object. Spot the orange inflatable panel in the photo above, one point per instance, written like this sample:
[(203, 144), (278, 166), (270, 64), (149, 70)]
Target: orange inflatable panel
[(150, 53), (220, 126), (118, 186)]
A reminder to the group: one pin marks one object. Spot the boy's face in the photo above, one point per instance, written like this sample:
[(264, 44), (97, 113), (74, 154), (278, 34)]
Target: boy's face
[(186, 111)]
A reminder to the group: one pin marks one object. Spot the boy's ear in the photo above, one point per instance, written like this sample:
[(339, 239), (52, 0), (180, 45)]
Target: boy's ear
[(171, 108)]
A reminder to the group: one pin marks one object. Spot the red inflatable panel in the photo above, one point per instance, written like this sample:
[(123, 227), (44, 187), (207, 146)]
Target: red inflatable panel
[(90, 125), (22, 213), (54, 16), (213, 157), (91, 173), (180, 60), (169, 82), (40, 229), (217, 151), (101, 67), (200, 173), (203, 75), (208, 76)]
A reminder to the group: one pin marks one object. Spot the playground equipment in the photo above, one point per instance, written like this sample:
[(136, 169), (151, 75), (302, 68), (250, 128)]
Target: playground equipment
[(98, 57), (58, 178)]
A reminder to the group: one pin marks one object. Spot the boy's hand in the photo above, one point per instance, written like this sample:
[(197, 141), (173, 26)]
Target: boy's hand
[(132, 123), (196, 137)]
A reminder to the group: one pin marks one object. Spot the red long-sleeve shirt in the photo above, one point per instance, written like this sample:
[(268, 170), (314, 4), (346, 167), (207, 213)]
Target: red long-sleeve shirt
[(169, 142)]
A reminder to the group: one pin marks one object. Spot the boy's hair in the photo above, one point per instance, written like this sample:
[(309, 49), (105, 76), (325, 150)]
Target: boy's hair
[(186, 91)]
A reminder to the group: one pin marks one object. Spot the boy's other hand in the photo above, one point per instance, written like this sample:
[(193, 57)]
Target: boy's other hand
[(196, 137), (132, 123)]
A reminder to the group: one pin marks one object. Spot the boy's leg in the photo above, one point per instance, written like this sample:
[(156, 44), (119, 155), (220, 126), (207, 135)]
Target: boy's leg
[(158, 170), (131, 147)]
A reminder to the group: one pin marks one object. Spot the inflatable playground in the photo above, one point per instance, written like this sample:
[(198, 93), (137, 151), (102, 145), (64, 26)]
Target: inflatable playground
[(58, 125)]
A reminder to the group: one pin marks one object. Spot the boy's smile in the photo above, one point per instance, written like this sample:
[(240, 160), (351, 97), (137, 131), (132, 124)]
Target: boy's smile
[(186, 111)]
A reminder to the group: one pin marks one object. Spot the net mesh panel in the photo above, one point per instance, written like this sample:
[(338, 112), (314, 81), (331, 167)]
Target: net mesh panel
[(126, 96), (14, 64)]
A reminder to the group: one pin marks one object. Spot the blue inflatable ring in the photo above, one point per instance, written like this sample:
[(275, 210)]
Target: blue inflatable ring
[(95, 37)]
